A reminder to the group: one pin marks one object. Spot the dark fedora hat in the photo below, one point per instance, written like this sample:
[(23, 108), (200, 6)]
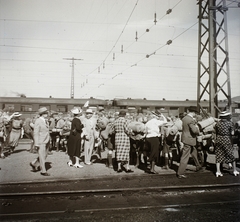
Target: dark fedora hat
[(122, 113), (156, 113), (193, 109)]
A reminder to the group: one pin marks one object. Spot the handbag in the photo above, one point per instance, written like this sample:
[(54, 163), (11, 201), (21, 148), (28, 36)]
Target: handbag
[(74, 132), (235, 151)]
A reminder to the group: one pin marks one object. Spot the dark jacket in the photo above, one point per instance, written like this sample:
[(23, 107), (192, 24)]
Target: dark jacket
[(190, 131)]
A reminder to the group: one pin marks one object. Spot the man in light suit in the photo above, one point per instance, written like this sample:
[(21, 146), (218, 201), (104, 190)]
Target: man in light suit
[(189, 139), (41, 139)]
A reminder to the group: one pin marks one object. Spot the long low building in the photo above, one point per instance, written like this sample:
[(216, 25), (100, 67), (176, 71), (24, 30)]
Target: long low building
[(30, 105)]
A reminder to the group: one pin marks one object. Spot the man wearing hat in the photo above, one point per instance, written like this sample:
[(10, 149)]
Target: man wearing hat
[(189, 139), (100, 109), (41, 140)]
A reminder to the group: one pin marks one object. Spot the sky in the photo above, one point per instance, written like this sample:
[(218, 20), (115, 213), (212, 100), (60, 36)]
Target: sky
[(109, 41)]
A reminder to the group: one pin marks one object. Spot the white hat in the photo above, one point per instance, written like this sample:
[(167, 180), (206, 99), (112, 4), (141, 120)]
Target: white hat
[(89, 111), (17, 114), (76, 110), (42, 110), (224, 113)]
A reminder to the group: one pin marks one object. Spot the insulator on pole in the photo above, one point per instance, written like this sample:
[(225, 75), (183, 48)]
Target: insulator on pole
[(122, 49), (113, 56), (169, 42), (136, 37), (155, 18), (98, 69), (169, 11)]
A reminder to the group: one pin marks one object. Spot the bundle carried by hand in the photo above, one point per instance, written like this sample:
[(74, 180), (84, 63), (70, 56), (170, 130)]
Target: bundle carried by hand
[(102, 122), (138, 130)]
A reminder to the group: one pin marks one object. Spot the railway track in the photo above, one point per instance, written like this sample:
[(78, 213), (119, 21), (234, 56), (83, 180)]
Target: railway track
[(41, 204)]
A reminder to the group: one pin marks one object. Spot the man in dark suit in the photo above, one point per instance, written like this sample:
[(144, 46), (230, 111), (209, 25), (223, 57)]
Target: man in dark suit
[(189, 139), (41, 140)]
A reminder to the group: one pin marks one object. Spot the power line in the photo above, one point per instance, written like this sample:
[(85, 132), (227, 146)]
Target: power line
[(51, 21), (167, 12), (135, 64)]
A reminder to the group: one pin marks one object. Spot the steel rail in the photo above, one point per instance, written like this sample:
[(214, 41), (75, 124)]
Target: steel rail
[(123, 190), (119, 208)]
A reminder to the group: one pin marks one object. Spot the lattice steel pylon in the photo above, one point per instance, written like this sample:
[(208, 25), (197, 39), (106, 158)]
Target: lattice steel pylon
[(213, 54)]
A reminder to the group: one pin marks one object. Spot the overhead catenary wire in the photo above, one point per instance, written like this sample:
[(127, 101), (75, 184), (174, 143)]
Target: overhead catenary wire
[(119, 63), (117, 38), (135, 64), (167, 13)]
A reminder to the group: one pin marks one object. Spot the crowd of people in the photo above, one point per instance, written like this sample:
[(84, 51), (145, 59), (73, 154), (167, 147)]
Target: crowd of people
[(141, 139)]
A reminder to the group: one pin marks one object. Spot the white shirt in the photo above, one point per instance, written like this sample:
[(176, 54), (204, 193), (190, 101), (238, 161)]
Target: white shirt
[(152, 127)]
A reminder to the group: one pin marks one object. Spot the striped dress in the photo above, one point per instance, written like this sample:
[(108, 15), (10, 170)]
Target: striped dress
[(122, 139)]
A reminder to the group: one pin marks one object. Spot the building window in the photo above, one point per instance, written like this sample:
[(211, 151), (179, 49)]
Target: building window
[(9, 107), (47, 106), (160, 108), (61, 108), (26, 108)]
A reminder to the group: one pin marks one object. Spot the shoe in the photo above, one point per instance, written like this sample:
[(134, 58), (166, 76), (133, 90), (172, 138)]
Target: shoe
[(153, 172), (182, 176), (69, 164), (199, 169), (165, 167), (129, 171), (78, 166), (34, 168), (89, 163), (219, 174), (235, 173), (45, 174), (119, 170), (2, 156)]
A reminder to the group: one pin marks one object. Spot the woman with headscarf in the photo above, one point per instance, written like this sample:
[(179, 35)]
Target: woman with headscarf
[(74, 140), (16, 131), (224, 130)]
